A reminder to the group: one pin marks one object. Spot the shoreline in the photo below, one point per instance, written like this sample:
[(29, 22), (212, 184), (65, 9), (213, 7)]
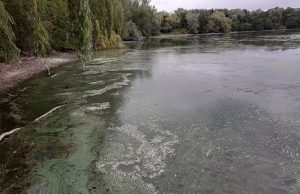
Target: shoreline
[(17, 72), (220, 33)]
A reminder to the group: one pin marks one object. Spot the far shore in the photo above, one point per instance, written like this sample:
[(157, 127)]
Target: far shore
[(26, 67), (211, 34)]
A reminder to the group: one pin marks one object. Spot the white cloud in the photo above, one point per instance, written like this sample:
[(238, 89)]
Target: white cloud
[(171, 5)]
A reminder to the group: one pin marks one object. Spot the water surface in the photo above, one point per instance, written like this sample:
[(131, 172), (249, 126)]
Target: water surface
[(175, 114)]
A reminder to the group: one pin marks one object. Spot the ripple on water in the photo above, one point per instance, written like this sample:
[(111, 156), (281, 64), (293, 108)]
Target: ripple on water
[(99, 61), (97, 82), (98, 106), (115, 85), (131, 156)]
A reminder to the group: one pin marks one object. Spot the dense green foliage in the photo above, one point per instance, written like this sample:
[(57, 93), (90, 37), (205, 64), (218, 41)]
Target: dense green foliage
[(218, 22), (85, 34), (38, 26), (8, 49), (40, 35), (224, 20)]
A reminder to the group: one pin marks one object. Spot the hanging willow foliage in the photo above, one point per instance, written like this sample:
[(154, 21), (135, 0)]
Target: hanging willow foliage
[(80, 25), (41, 38), (56, 20), (85, 35), (108, 19), (8, 49)]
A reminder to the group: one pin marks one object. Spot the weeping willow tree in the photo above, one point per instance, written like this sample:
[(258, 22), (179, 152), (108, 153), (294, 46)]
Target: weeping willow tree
[(40, 35), (108, 22), (31, 35), (8, 49), (56, 20), (81, 27), (118, 15), (85, 36)]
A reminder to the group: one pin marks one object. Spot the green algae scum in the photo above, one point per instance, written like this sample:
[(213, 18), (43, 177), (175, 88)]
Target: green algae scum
[(173, 114)]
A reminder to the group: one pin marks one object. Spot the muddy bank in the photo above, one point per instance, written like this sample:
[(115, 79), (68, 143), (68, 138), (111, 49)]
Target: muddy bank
[(12, 74)]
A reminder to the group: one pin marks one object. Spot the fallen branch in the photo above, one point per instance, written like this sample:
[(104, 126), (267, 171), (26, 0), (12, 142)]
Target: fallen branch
[(51, 111), (54, 75), (2, 136), (6, 134)]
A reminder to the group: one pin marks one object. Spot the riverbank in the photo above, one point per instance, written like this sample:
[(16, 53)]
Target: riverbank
[(163, 35), (12, 74)]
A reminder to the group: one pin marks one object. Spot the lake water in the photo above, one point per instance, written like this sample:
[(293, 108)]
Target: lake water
[(174, 114)]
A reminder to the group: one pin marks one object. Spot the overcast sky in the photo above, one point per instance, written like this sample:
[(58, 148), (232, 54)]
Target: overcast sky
[(171, 5)]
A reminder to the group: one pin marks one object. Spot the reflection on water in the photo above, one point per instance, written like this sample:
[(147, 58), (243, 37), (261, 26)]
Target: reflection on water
[(174, 114)]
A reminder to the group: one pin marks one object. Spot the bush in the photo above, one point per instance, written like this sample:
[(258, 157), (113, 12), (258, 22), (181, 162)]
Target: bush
[(131, 32)]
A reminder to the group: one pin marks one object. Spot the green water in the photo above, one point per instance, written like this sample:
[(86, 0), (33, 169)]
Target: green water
[(175, 114)]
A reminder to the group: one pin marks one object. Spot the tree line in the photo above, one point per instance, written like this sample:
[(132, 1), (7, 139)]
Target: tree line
[(224, 20), (35, 27)]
